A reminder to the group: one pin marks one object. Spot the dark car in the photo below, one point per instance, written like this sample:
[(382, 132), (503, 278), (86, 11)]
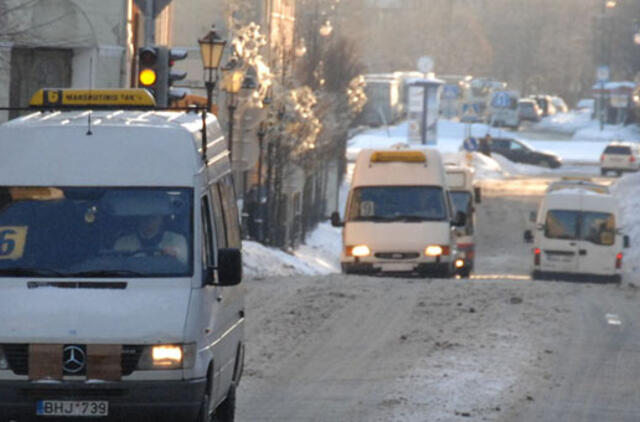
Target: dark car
[(520, 152)]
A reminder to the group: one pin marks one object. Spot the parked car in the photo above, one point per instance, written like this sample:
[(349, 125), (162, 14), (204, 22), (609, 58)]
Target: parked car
[(620, 157), (545, 103), (520, 152), (559, 104), (528, 110)]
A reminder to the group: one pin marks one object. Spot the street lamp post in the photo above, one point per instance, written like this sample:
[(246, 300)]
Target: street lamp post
[(262, 132), (232, 85), (606, 4), (211, 50)]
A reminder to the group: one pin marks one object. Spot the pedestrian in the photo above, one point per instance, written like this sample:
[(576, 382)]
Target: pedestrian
[(485, 145)]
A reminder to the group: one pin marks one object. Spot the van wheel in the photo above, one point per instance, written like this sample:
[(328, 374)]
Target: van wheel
[(226, 412)]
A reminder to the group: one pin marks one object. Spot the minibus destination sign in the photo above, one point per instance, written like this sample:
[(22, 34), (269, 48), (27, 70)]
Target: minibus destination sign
[(84, 98)]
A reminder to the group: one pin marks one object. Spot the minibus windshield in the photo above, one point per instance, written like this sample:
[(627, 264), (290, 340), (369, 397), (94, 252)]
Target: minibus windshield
[(594, 227), (461, 201), (95, 232), (398, 203)]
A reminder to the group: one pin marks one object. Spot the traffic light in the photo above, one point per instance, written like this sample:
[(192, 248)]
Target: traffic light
[(175, 94), (148, 69), (155, 73)]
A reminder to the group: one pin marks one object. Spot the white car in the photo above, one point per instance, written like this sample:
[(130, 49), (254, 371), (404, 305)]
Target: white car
[(620, 157)]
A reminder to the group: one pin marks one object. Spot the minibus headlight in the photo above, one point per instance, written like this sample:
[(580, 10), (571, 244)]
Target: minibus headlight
[(359, 251), (459, 263), (4, 363), (436, 250), (167, 356)]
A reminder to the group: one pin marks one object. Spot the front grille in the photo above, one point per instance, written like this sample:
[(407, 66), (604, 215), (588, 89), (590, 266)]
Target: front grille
[(397, 255), (18, 357), (130, 358)]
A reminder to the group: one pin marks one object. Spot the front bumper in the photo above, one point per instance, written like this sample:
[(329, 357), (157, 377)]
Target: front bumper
[(128, 401), (442, 269)]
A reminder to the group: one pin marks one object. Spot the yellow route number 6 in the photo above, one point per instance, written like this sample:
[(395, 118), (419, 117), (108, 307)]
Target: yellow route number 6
[(12, 241)]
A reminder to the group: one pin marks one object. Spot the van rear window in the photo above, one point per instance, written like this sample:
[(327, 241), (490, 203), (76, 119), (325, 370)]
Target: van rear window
[(594, 227), (617, 150)]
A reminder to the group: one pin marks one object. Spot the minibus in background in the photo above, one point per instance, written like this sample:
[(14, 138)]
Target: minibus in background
[(464, 197), (578, 233), (399, 217)]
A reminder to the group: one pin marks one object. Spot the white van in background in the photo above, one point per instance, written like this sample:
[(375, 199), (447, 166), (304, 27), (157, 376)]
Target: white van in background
[(503, 109), (464, 197), (577, 233), (399, 218), (119, 263)]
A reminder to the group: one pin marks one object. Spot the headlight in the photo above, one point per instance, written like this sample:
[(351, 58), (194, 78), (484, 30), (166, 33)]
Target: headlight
[(167, 356), (358, 251), (434, 250), (4, 363)]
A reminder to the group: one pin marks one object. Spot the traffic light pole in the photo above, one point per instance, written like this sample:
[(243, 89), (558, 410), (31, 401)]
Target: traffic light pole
[(149, 23)]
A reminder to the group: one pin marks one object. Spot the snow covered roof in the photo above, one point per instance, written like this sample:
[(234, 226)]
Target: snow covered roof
[(615, 85)]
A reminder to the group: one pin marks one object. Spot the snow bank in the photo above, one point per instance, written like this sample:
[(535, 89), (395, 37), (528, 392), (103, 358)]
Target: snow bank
[(564, 122), (260, 262), (627, 190), (611, 132)]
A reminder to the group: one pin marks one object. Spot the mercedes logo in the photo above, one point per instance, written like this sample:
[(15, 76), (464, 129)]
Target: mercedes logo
[(74, 359)]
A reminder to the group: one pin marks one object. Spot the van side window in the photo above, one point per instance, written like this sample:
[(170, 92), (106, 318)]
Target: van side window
[(207, 234), (230, 210), (218, 216)]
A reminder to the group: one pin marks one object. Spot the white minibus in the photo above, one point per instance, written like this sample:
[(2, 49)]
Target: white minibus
[(399, 217), (119, 262), (464, 197), (577, 233)]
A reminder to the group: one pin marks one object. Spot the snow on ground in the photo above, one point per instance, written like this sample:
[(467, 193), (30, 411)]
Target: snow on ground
[(592, 132), (627, 190), (451, 134), (564, 122), (261, 261)]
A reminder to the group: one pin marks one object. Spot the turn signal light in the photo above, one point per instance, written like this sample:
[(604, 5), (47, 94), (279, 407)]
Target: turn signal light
[(536, 256), (359, 251)]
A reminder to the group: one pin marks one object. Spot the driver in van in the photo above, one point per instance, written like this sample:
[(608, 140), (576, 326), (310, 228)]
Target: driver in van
[(151, 238)]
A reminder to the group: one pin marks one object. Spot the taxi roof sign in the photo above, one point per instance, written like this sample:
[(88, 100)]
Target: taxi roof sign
[(398, 157), (92, 98)]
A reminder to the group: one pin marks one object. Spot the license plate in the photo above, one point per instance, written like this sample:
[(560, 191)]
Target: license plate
[(397, 267), (90, 409)]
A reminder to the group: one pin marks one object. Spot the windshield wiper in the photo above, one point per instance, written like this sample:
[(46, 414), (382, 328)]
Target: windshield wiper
[(106, 273), (30, 272)]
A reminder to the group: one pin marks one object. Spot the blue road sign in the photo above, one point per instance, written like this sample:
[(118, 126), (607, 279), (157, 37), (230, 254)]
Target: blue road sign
[(470, 144)]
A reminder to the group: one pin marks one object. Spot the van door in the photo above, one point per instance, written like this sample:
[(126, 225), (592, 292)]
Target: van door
[(597, 246), (559, 247)]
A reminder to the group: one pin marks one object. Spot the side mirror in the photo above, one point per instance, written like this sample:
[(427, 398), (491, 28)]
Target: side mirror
[(533, 216), (478, 195), (335, 220), (528, 236), (459, 220), (626, 242), (229, 267)]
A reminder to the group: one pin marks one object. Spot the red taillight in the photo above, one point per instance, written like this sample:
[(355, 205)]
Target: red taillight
[(602, 157), (632, 159), (619, 261), (536, 256)]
